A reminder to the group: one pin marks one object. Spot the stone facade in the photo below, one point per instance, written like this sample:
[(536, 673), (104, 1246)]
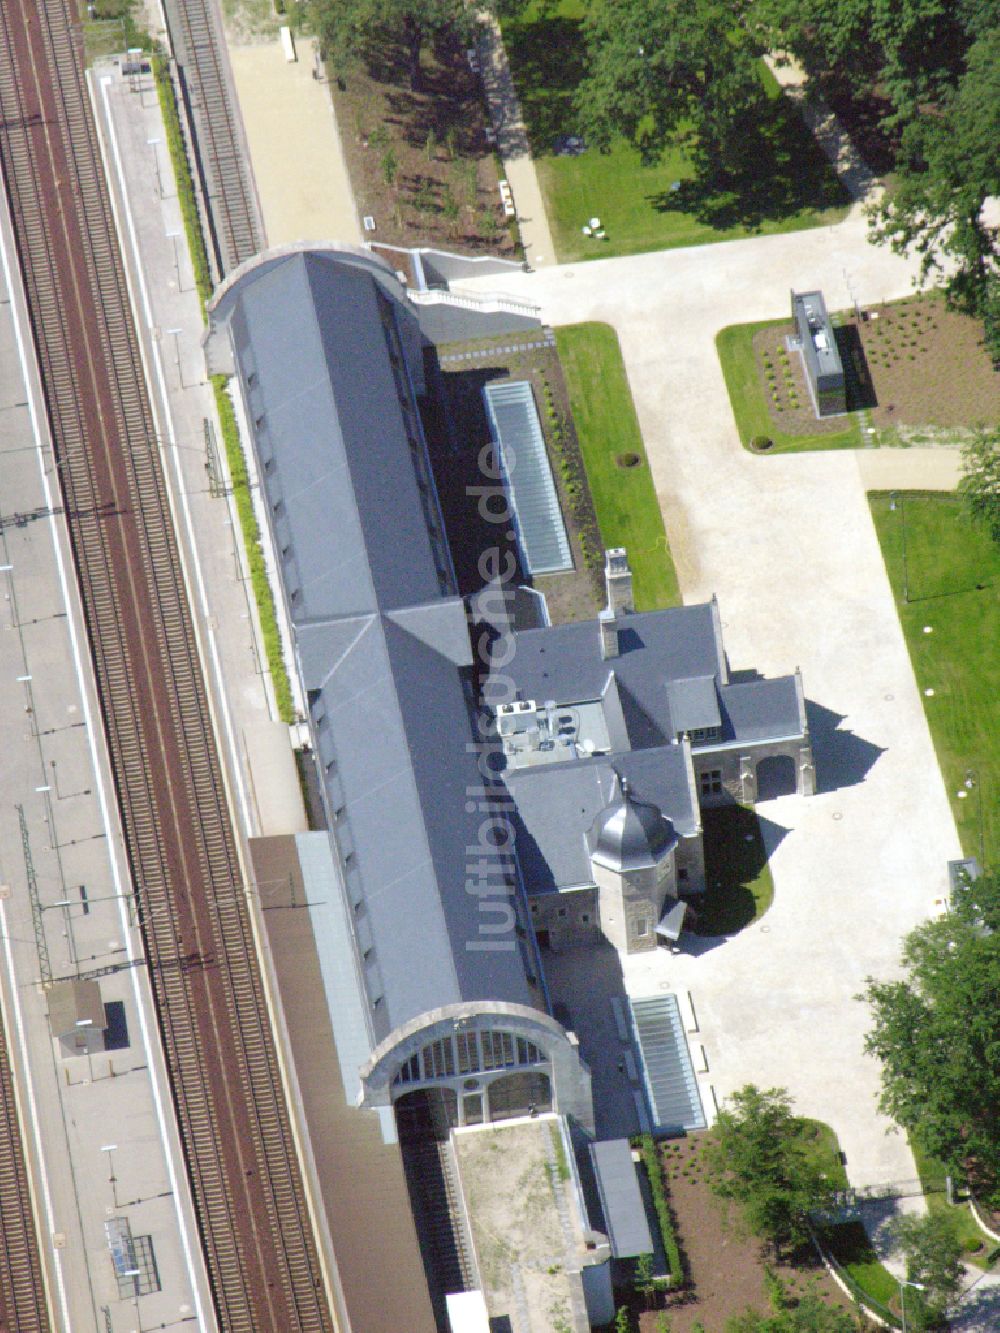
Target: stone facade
[(470, 1049)]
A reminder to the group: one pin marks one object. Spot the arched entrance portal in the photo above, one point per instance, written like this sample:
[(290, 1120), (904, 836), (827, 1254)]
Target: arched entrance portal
[(775, 777), (521, 1093)]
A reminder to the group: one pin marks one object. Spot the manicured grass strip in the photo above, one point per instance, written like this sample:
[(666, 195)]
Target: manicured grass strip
[(822, 1146), (628, 511), (859, 1265), (227, 418), (654, 1174), (959, 659), (746, 396), (738, 879), (933, 1174)]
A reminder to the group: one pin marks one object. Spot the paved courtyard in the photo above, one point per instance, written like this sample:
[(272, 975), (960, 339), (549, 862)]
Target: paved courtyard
[(294, 143), (787, 544)]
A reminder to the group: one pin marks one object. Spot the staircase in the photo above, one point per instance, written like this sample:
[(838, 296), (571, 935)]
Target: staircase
[(428, 1162), (671, 1086)]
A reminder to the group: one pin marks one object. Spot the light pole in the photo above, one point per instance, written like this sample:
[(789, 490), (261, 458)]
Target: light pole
[(135, 1274), (894, 497), (903, 1284), (110, 1149), (972, 783), (65, 904)]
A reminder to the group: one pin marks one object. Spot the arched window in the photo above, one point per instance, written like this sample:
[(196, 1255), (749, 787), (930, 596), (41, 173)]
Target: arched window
[(468, 1053)]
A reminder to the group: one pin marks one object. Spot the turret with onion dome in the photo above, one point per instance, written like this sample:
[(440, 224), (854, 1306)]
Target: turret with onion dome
[(629, 835), (631, 845)]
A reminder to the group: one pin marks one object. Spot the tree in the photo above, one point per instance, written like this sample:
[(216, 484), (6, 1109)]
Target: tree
[(756, 1157), (913, 51), (666, 71), (977, 901), (345, 27), (645, 1284), (948, 170), (390, 166), (937, 1035), (933, 1255), (808, 1315), (980, 484)]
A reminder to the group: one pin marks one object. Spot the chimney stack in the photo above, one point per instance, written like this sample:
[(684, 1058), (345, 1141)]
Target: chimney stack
[(608, 625), (618, 581)]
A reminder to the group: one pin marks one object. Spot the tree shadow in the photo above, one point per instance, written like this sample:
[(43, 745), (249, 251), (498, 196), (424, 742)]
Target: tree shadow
[(842, 758), (548, 59), (775, 170)]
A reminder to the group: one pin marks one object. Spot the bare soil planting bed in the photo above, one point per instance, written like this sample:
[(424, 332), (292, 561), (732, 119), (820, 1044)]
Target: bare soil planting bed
[(929, 366), (419, 162), (726, 1270), (457, 431), (917, 366)]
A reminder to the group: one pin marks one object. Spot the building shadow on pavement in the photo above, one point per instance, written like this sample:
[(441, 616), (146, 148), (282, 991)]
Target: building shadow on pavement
[(842, 758), (979, 1307), (586, 985)]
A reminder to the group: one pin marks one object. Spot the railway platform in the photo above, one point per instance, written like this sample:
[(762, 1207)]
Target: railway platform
[(96, 1106), (170, 327)]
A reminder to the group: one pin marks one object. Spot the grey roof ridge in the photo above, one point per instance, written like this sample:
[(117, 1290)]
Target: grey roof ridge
[(720, 651), (426, 857), (325, 629), (430, 622)]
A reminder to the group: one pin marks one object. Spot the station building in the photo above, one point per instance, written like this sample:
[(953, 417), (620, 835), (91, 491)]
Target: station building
[(327, 361), (469, 808)]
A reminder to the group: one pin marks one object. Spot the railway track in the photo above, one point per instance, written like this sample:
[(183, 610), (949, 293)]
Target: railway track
[(228, 1092), (220, 158), (23, 1303)]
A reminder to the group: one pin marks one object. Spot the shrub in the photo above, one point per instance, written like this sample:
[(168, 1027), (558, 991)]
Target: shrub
[(255, 554), (654, 1174), (182, 173)]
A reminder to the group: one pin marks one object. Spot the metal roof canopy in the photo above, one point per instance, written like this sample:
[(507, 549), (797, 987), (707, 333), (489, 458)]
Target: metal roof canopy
[(621, 1201), (671, 1086), (514, 424)]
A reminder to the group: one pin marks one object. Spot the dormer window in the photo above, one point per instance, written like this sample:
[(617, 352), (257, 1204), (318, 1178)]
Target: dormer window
[(700, 735)]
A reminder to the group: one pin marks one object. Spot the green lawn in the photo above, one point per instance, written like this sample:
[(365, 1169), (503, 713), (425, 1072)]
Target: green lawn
[(746, 396), (650, 208), (823, 1148), (850, 1246), (976, 1243), (628, 511), (960, 658), (740, 888)]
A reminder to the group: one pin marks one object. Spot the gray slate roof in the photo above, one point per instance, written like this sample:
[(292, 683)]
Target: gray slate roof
[(621, 1200), (382, 640), (556, 806), (670, 676)]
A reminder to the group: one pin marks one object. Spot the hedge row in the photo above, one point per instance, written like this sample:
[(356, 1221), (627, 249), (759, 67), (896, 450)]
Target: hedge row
[(227, 418), (654, 1174), (182, 173), (259, 581)]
